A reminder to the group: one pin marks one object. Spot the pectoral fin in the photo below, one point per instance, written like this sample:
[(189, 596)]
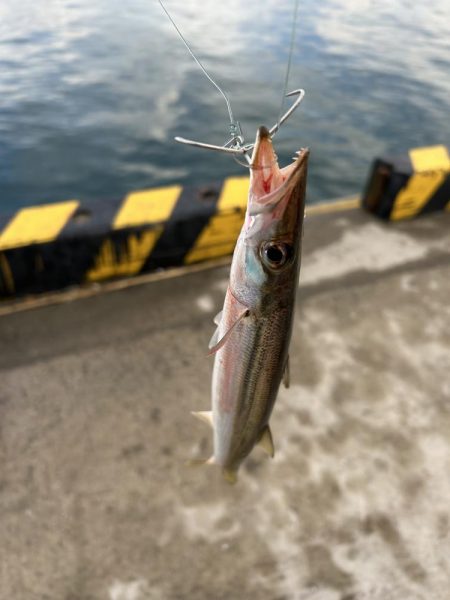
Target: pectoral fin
[(215, 338), (205, 416), (287, 374), (216, 344), (266, 441)]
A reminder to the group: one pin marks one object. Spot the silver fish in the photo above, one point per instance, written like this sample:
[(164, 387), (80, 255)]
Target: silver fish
[(254, 328)]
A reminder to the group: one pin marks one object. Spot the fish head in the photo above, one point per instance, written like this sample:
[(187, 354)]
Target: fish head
[(267, 255)]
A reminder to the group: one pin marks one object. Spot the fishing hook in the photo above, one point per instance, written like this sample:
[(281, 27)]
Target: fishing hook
[(236, 144)]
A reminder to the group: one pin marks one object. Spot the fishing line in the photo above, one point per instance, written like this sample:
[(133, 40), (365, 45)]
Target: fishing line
[(291, 52), (236, 144), (191, 52)]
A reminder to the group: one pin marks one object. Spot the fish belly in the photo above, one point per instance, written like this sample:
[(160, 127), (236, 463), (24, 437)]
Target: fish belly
[(247, 373)]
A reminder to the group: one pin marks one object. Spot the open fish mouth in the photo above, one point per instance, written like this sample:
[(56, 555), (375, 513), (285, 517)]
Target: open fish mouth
[(268, 182)]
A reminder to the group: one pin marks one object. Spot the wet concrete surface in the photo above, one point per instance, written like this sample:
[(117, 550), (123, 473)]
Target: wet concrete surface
[(95, 396)]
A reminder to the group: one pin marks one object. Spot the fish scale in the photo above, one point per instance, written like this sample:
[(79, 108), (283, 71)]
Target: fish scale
[(262, 376)]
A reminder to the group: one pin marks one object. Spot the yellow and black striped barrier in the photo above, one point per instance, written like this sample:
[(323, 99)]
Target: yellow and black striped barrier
[(403, 188), (53, 246)]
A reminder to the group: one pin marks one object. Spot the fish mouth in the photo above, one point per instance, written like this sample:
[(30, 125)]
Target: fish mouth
[(268, 182)]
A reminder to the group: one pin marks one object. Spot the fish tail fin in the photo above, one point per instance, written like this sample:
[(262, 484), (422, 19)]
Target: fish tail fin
[(230, 475)]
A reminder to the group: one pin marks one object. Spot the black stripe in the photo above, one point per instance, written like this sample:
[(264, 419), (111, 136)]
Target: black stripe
[(53, 265), (439, 199), (77, 247), (192, 213), (4, 282), (93, 216), (386, 180), (21, 262)]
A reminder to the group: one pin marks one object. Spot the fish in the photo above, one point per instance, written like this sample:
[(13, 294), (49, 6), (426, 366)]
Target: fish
[(254, 328)]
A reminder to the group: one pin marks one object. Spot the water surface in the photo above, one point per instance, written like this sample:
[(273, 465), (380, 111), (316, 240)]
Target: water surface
[(92, 92)]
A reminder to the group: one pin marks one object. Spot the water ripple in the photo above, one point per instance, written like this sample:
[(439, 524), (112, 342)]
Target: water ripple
[(92, 93)]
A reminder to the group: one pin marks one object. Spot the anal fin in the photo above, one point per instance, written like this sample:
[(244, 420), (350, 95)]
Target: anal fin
[(266, 441)]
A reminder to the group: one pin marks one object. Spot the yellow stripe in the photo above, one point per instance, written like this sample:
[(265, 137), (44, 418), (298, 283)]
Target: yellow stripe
[(419, 189), (220, 235), (432, 158), (234, 193), (37, 224), (147, 206), (128, 261), (139, 208), (7, 274), (431, 166)]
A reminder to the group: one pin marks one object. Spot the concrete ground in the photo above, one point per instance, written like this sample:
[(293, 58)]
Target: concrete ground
[(95, 395)]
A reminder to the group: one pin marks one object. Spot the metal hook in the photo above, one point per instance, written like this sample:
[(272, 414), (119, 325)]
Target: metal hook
[(226, 148), (235, 144), (300, 93)]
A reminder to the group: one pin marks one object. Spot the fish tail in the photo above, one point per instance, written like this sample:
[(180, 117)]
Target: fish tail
[(230, 475)]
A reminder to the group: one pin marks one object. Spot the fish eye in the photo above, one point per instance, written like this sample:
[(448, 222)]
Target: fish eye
[(275, 254)]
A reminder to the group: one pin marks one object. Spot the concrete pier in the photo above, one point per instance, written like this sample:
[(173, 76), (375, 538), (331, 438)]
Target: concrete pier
[(95, 401)]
